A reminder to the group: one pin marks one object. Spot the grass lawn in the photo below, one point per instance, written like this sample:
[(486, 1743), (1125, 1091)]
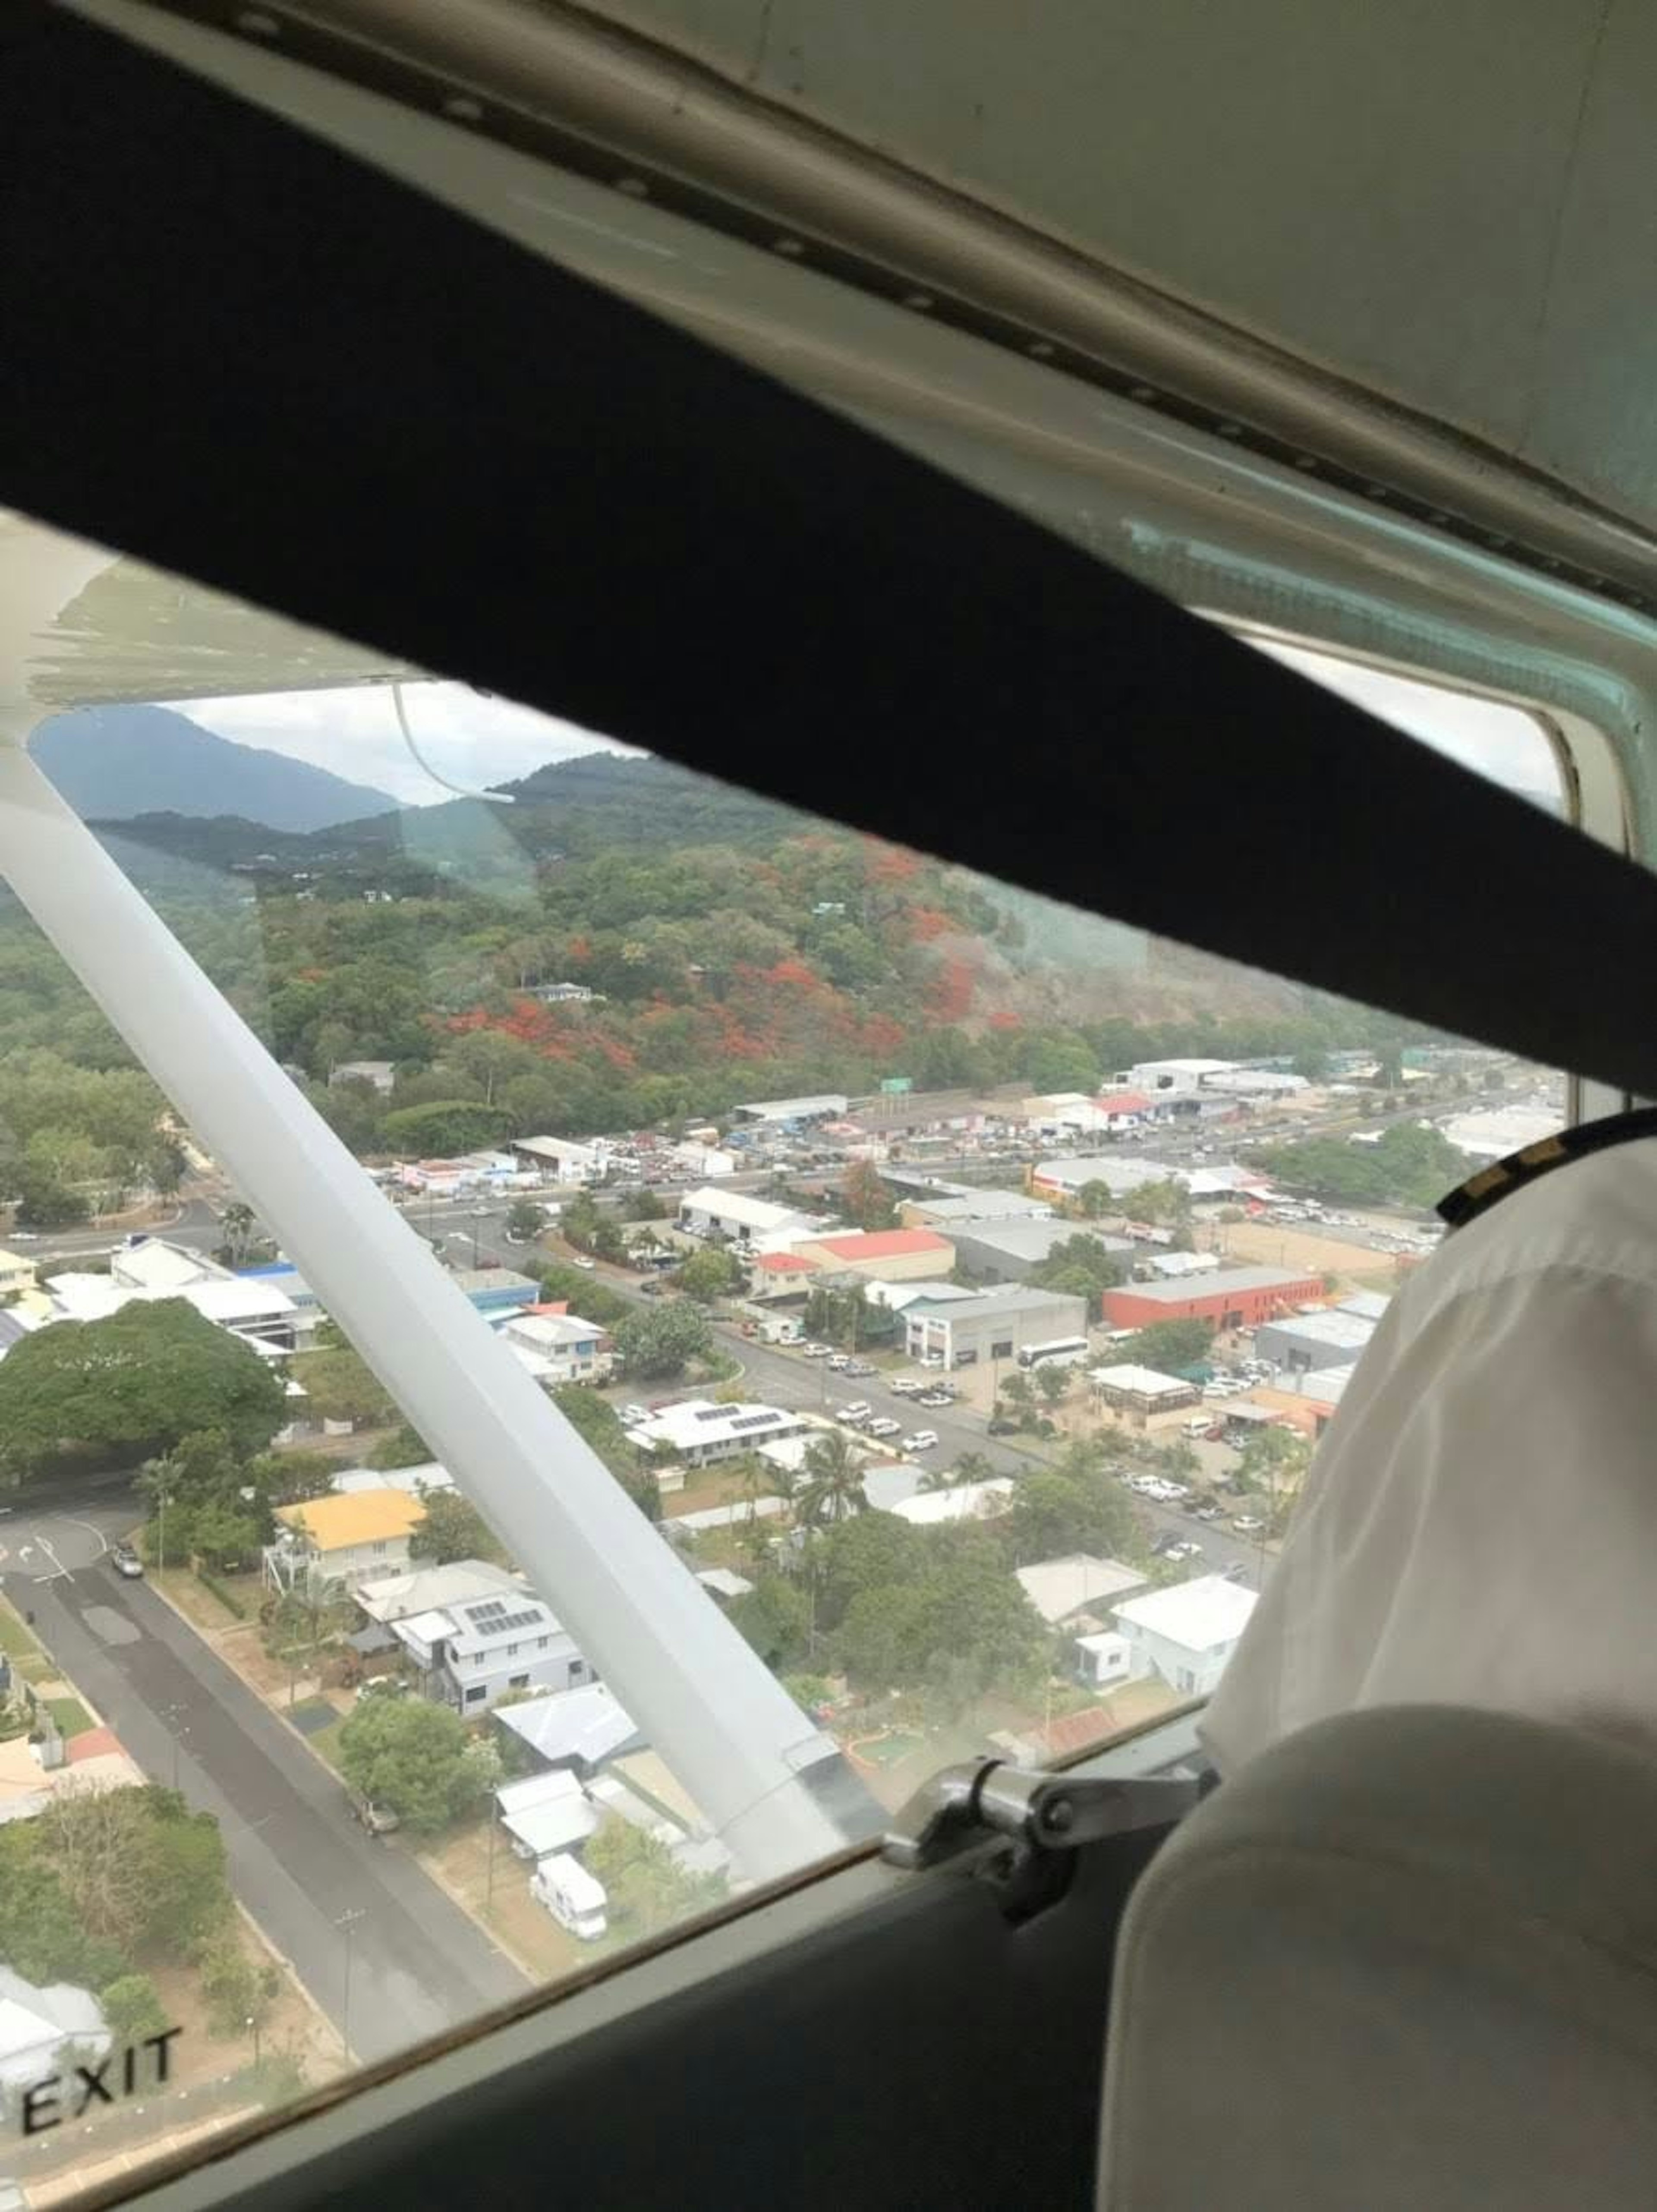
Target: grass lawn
[(70, 1715), (324, 1740), (21, 1647)]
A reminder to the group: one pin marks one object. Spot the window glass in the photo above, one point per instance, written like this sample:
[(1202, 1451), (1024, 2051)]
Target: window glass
[(947, 1278)]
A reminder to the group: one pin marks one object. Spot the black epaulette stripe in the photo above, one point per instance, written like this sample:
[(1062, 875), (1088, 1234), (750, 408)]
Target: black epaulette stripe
[(1492, 1184)]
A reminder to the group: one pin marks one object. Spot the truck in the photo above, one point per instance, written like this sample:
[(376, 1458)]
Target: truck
[(576, 1900)]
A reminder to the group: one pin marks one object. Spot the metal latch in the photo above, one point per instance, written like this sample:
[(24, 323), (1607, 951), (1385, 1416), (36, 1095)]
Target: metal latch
[(1036, 1814)]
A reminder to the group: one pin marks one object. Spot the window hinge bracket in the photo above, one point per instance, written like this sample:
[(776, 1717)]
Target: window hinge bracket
[(1036, 1814)]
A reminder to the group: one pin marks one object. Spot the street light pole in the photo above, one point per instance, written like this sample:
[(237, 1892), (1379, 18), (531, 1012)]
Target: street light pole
[(347, 1924)]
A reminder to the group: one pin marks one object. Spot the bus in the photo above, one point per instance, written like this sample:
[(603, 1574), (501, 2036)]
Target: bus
[(1057, 1352)]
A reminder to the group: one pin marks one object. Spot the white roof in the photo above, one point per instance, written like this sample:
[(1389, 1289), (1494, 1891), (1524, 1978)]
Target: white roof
[(1338, 1331), (967, 1501), (794, 1109), (35, 2018), (411, 1591), (1143, 1382), (1369, 1304), (153, 1265), (1200, 1616), (898, 1298), (698, 1421), (725, 1582), (243, 1298), (886, 1487), (551, 1331), (1192, 1067), (544, 1829), (412, 1479), (481, 1624), (737, 1205), (586, 1723), (559, 1788), (1058, 1588), (1183, 1263), (1492, 1135)]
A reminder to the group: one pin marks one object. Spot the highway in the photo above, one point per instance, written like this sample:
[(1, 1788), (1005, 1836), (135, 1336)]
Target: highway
[(340, 1907)]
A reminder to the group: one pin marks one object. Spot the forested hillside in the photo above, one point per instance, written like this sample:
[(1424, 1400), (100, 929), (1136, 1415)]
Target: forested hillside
[(735, 949)]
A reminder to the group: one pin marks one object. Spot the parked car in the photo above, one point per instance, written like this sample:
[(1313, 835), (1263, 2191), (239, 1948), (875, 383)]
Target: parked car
[(377, 1820), (907, 1386), (1235, 1573), (935, 1398), (860, 1367), (630, 1416), (1207, 1510), (1163, 1545), (840, 1361), (858, 1410), (582, 1260), (1248, 1524), (125, 1561), (885, 1425), (1182, 1549), (923, 1440), (813, 1350)]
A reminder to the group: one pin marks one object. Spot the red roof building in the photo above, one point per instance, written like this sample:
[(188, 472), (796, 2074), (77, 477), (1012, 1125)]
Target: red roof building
[(1120, 1105), (896, 1255), (1233, 1297)]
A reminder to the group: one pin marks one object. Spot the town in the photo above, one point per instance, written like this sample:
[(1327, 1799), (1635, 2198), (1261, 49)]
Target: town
[(977, 1398)]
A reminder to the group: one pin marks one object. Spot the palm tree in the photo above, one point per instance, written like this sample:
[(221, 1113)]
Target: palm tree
[(754, 1482), (972, 1467), (833, 1489)]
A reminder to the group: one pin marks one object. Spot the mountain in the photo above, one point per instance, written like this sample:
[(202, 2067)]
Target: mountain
[(112, 763)]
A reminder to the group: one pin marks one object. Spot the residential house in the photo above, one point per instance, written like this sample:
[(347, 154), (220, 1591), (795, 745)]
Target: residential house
[(471, 1655), (1186, 1634), (1079, 1583), (963, 1501), (41, 2023), (497, 1293), (333, 1543), (544, 1813), (16, 1274), (698, 1433), (571, 1350), (399, 1593), (783, 1275), (575, 1729)]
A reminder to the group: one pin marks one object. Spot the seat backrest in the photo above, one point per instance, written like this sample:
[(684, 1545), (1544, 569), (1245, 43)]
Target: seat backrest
[(1405, 1961)]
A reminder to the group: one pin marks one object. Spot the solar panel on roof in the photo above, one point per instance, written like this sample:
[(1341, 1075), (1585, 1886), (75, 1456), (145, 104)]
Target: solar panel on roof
[(491, 1610)]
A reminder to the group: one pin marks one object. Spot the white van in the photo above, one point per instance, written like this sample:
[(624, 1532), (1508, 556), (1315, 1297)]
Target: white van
[(575, 1899)]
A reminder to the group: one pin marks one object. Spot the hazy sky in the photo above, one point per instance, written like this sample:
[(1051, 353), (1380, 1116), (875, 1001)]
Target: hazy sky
[(475, 742), (471, 740), (1503, 743)]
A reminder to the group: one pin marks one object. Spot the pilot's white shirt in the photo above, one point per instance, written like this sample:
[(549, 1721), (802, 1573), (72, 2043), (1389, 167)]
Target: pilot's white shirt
[(1479, 1524)]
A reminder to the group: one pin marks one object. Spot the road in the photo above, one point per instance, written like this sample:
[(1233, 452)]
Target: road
[(780, 1378), (333, 1901)]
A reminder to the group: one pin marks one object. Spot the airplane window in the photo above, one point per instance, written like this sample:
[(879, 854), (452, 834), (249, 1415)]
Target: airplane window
[(952, 1286)]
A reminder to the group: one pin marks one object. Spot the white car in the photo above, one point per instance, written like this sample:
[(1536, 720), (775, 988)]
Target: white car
[(813, 1350), (840, 1361), (924, 1440), (858, 1410), (631, 1415), (1248, 1524), (581, 1260), (905, 1386), (885, 1425)]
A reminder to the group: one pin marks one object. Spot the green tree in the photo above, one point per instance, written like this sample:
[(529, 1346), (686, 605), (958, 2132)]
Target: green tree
[(1096, 1198), (132, 2006), (832, 1486), (45, 1201), (1071, 1507), (286, 1478), (1166, 1201), (872, 1550), (582, 1293), (416, 1759), (709, 1275), (43, 1934), (403, 1447), (599, 1425), (866, 1199), (1082, 1266), (1052, 1383), (1168, 1346), (524, 1218), (647, 1889), (443, 1129), (453, 1529), (775, 1618), (240, 1233), (236, 1989), (652, 1345), (114, 1392)]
